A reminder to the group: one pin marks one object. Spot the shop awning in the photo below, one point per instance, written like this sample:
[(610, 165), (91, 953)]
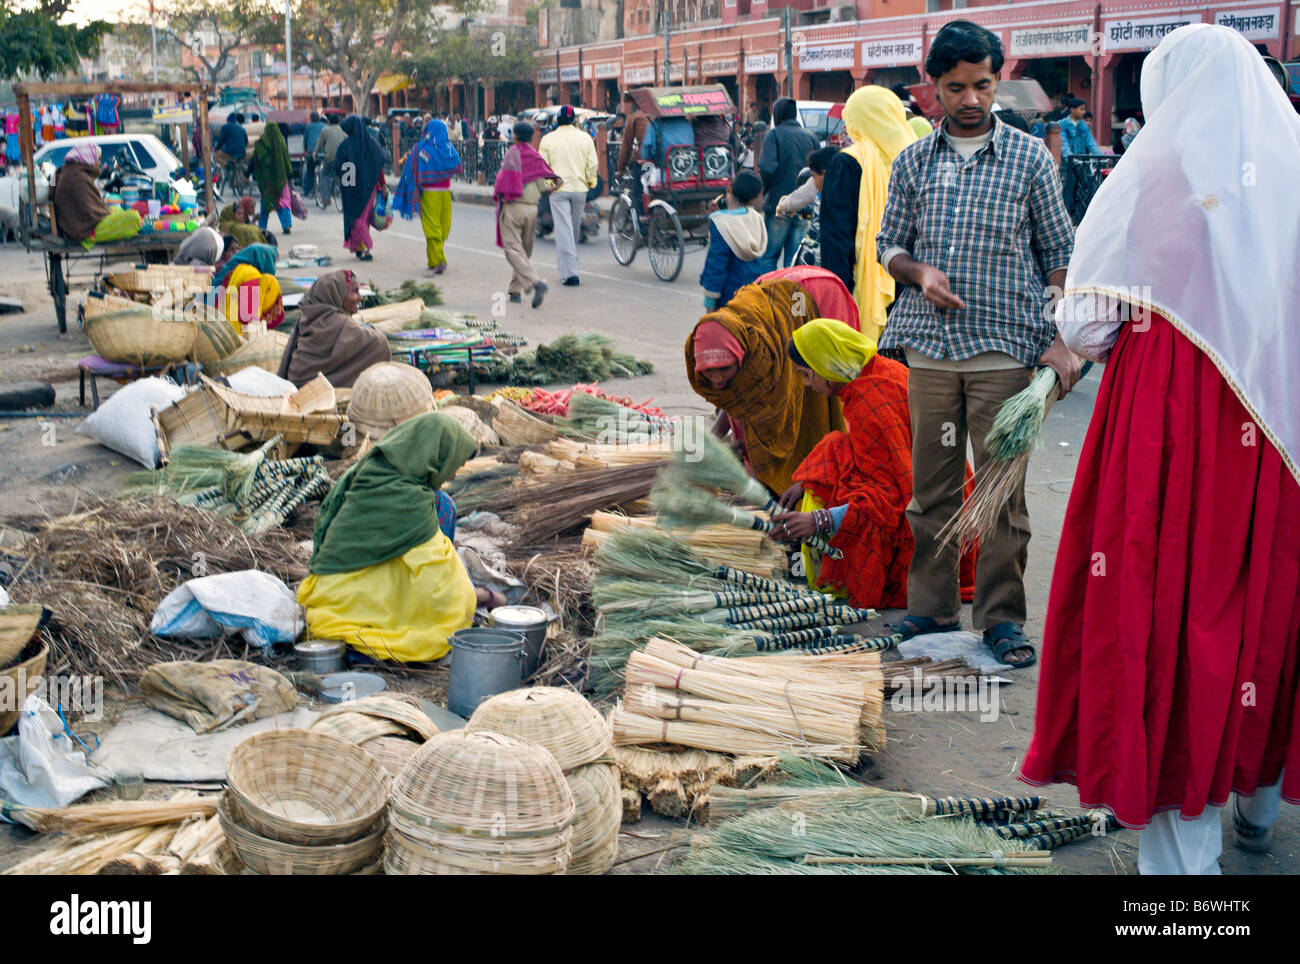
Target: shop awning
[(389, 83)]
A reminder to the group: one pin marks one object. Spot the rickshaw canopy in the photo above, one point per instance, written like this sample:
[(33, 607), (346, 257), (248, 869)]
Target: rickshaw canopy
[(699, 101)]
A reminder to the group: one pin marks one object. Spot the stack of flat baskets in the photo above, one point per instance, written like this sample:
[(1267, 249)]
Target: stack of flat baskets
[(387, 727), (136, 334), (303, 802), (386, 395), (158, 282), (580, 740), (480, 803)]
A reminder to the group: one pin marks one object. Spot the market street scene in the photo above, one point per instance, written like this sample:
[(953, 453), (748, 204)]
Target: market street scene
[(650, 438)]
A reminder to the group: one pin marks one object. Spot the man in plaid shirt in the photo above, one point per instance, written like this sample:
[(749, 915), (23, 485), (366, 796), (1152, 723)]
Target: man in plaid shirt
[(975, 230)]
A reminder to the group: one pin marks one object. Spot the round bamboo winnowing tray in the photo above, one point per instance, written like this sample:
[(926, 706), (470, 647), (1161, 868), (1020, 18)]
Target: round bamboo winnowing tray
[(306, 787), (136, 337), (558, 719), (356, 727), (480, 802), (387, 394), (599, 815), (402, 710)]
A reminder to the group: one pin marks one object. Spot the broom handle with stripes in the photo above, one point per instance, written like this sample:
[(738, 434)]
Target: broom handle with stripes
[(766, 526), (748, 579), (857, 645), (1030, 828), (979, 806), (799, 637), (788, 607), (1056, 838), (835, 643)]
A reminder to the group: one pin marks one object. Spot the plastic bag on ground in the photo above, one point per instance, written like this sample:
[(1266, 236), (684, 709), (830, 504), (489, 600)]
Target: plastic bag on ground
[(42, 766), (261, 608)]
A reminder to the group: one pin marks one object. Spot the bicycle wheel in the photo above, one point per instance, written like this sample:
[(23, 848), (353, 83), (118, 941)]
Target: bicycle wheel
[(667, 244), (323, 191), (624, 238), (337, 191)]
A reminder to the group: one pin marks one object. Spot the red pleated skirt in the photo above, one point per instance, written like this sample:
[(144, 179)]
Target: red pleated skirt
[(1170, 658)]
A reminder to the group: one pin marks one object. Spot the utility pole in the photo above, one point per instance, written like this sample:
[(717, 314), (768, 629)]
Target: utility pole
[(667, 68), (153, 40), (288, 56), (789, 53)]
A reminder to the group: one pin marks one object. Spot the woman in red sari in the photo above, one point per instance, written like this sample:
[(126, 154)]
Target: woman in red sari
[(1172, 644), (855, 485)]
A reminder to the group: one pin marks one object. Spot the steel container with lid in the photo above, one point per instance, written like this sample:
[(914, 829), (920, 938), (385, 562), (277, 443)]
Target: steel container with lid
[(530, 621)]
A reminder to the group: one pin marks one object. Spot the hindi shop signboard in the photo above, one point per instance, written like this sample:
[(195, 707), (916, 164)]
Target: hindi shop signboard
[(547, 75), (639, 75), (690, 103), (1142, 33), (1252, 24), (826, 58), (891, 53), (762, 63), (569, 74), (1054, 41), (608, 70), (724, 65)]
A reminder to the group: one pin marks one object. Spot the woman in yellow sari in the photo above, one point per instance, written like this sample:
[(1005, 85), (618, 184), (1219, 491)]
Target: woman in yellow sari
[(385, 577), (853, 200), (246, 289)]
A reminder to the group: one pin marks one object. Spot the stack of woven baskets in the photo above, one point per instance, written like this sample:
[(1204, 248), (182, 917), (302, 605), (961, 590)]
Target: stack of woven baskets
[(580, 740), (389, 728), (303, 802), (480, 803), (386, 395)]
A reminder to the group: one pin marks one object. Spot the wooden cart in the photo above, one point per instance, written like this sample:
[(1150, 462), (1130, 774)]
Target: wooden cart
[(158, 247)]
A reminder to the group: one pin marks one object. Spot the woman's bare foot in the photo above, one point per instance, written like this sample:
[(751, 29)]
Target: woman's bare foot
[(489, 598)]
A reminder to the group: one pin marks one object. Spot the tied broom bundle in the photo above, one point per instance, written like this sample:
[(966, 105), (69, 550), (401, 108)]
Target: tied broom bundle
[(551, 507), (658, 599), (715, 466), (591, 417), (659, 557), (192, 468), (1016, 431)]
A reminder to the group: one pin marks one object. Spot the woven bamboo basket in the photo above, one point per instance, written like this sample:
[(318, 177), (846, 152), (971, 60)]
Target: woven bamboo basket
[(259, 417), (264, 351), (149, 279), (558, 719), (356, 727), (392, 752), (304, 787), (483, 433), (136, 337), (29, 670), (17, 627), (402, 711), (387, 394), (106, 304), (216, 340), (226, 863), (598, 804), (264, 855), (480, 802)]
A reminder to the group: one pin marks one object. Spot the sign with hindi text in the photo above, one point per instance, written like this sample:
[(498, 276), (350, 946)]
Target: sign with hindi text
[(826, 58), (1261, 24), (1142, 33), (1057, 40), (891, 53)]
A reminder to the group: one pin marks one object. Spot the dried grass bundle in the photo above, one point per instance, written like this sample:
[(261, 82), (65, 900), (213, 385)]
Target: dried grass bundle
[(741, 549), (550, 508), (96, 818)]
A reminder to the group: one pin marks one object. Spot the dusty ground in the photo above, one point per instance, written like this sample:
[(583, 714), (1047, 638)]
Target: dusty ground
[(938, 753)]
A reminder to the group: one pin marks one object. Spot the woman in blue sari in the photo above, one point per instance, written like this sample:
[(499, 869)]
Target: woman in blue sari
[(426, 186)]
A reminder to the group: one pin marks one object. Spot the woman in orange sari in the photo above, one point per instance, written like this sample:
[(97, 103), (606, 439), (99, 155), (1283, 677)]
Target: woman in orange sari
[(854, 485)]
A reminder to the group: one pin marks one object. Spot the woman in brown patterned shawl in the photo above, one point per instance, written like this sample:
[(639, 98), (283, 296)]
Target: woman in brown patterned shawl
[(326, 340), (736, 359)]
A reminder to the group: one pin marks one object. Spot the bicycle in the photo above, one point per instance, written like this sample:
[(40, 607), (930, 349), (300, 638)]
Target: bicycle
[(231, 175), (327, 187)]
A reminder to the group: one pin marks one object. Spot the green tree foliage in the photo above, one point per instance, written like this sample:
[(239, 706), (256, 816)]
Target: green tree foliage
[(489, 56), (33, 43), (361, 39)]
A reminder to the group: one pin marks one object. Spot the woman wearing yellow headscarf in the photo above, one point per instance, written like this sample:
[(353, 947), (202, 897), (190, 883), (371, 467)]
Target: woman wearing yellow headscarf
[(853, 199), (854, 485)]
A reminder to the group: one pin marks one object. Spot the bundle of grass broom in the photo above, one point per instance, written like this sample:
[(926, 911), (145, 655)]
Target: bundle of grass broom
[(740, 549), (750, 706), (1017, 429), (712, 465)]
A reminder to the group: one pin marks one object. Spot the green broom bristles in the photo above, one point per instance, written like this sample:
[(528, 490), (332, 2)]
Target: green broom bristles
[(646, 554), (193, 467), (715, 466), (1018, 425)]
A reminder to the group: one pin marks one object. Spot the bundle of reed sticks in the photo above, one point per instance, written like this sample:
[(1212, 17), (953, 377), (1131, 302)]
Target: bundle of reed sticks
[(552, 506), (749, 706), (739, 549), (675, 782)]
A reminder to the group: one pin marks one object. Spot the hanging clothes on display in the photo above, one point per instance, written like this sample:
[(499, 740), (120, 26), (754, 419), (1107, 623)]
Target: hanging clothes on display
[(12, 154)]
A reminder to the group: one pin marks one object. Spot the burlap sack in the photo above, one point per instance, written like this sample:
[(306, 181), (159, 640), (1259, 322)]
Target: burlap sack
[(212, 696)]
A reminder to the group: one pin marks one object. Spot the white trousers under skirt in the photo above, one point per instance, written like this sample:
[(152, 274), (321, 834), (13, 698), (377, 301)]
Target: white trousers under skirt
[(1172, 845)]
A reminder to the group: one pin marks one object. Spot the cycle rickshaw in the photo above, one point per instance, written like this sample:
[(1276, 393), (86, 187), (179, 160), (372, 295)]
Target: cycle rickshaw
[(672, 205)]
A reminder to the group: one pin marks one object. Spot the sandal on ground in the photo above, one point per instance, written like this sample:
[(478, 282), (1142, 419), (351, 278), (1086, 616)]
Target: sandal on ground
[(1250, 836), (1006, 638), (910, 626)]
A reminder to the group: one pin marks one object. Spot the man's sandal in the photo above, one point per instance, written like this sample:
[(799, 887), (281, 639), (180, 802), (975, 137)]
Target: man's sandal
[(1006, 638), (910, 626), (1250, 836)]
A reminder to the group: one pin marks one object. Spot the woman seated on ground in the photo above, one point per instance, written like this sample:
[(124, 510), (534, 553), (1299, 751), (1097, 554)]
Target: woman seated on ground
[(80, 212), (247, 290), (327, 341), (236, 218), (736, 359), (854, 486), (384, 575), (203, 247)]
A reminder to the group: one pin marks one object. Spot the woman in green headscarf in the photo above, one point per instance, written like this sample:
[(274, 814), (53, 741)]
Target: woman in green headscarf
[(384, 576), (236, 220), (274, 175)]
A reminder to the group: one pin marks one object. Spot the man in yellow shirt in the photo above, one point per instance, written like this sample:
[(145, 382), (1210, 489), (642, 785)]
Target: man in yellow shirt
[(571, 153)]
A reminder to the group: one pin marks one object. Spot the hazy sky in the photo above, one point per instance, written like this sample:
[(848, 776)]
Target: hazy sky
[(111, 10)]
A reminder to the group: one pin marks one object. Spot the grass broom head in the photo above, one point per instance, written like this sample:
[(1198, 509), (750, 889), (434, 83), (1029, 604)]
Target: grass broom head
[(646, 554), (1018, 425), (679, 506), (714, 465)]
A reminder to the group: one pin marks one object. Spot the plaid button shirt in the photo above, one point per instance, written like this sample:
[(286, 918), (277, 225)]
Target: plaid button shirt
[(996, 225)]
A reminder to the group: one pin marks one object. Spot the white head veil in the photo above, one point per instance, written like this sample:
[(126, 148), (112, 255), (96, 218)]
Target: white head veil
[(1200, 221)]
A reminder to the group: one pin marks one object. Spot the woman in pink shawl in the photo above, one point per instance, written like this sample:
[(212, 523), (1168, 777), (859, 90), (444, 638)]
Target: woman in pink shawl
[(524, 177)]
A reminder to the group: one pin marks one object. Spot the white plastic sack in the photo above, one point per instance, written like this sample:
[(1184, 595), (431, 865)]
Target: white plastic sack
[(41, 766), (258, 605), (123, 423), (258, 381)]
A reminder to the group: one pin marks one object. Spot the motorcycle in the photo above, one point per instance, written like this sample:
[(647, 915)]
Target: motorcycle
[(122, 174), (590, 226)]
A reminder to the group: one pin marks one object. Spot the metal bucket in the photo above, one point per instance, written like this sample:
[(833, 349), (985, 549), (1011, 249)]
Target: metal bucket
[(530, 621), (320, 656), (484, 662)]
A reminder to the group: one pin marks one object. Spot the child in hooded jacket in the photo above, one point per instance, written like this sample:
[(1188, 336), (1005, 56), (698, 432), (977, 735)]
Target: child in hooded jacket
[(737, 243)]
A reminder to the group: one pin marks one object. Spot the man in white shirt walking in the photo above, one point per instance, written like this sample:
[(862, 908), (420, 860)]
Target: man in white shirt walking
[(571, 153)]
